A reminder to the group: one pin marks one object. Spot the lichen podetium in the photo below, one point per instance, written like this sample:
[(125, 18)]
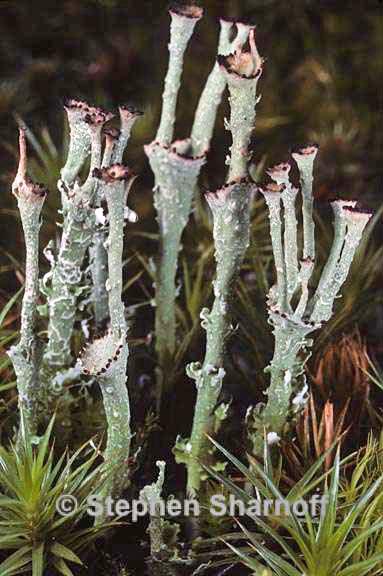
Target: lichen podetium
[(293, 314), (84, 230), (26, 356), (230, 207), (64, 284), (106, 358), (176, 167)]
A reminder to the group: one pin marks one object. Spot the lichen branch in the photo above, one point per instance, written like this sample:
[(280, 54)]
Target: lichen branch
[(231, 217), (26, 355), (183, 21), (176, 168), (63, 284), (106, 358), (293, 323)]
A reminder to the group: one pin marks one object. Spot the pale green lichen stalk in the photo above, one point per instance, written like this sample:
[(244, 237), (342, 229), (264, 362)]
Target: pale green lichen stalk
[(83, 229), (164, 555), (292, 313), (231, 216), (115, 144), (183, 21), (239, 67), (98, 254), (175, 175), (79, 143), (128, 117), (117, 180), (63, 285), (205, 115), (176, 166), (152, 495), (106, 358), (26, 355), (305, 161)]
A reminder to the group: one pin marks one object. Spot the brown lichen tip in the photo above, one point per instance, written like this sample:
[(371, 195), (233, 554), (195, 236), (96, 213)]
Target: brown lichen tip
[(127, 112), (23, 187), (272, 192), (183, 149), (30, 191), (248, 22), (357, 214), (219, 197), (179, 152), (36, 189), (73, 104), (306, 151), (77, 110), (280, 172), (186, 10), (98, 117), (307, 261), (111, 134), (84, 111), (100, 355), (113, 173), (243, 64), (339, 205)]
